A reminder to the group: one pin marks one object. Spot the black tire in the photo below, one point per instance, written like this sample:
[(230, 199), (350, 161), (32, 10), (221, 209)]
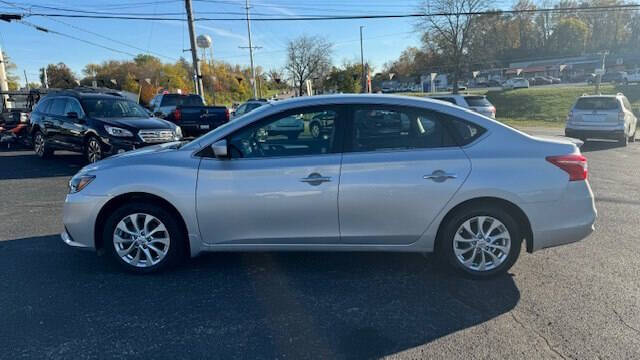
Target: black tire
[(623, 140), (177, 239), (445, 245), (632, 137), (315, 130), (40, 146), (93, 150)]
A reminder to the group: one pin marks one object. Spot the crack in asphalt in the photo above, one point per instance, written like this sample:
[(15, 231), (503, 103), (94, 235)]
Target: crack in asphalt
[(549, 346), (624, 322)]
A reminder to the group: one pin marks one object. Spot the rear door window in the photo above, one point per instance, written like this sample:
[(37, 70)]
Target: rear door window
[(597, 103), (477, 101), (388, 128)]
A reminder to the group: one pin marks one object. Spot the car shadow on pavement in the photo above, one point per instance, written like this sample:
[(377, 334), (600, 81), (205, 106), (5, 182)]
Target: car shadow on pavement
[(26, 165), (59, 303)]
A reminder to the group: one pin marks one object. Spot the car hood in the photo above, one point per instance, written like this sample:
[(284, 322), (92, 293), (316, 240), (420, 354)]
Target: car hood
[(138, 122), (114, 160)]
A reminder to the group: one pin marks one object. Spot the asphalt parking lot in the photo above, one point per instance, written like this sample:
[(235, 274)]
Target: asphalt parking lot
[(580, 301)]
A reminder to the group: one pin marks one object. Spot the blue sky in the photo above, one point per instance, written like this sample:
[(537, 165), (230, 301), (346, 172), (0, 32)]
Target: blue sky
[(384, 39)]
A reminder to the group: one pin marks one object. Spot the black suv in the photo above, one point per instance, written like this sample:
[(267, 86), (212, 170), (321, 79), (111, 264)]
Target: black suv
[(96, 124)]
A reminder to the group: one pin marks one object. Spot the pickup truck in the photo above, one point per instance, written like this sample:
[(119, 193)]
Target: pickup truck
[(189, 112)]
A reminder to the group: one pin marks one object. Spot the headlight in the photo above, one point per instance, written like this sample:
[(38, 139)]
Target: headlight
[(79, 182), (116, 131), (178, 133)]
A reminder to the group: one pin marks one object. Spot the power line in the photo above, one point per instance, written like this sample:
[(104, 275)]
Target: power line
[(357, 16), (97, 34), (43, 29)]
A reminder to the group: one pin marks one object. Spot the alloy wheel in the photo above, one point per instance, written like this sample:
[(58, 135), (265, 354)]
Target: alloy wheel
[(38, 144), (94, 151), (141, 240), (482, 243), (315, 131)]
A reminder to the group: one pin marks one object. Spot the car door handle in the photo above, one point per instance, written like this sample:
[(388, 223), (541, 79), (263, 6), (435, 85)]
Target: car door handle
[(315, 179), (440, 176)]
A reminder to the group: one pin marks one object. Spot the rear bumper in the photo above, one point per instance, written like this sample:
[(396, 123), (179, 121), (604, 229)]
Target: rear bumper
[(585, 133), (567, 220)]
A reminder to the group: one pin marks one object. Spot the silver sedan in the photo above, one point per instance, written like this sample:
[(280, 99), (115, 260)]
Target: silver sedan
[(387, 173)]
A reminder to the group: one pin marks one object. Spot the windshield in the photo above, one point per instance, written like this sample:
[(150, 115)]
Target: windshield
[(112, 108), (597, 103)]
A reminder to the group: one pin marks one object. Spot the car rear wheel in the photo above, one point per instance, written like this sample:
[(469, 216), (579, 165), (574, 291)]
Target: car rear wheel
[(143, 238), (40, 146), (480, 242), (632, 138), (93, 150), (623, 140)]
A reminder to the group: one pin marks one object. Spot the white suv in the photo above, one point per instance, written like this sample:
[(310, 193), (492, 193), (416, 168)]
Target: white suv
[(602, 117), (477, 103)]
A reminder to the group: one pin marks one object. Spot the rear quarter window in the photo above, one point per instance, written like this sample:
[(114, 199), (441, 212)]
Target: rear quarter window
[(597, 103), (464, 132)]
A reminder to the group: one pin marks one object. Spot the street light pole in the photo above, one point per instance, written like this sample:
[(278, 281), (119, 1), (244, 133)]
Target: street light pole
[(194, 51), (362, 79)]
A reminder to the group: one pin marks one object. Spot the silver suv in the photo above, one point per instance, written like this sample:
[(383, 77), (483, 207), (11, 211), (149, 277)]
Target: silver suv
[(602, 117), (477, 103)]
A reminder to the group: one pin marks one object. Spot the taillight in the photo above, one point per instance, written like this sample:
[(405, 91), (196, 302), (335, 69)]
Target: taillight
[(226, 114), (493, 111), (621, 116), (570, 116), (177, 114), (575, 165)]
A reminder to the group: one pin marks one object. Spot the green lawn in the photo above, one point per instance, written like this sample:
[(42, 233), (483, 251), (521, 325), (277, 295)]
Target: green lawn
[(545, 106)]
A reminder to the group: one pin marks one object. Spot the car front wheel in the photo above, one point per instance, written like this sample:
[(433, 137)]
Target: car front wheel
[(40, 146), (480, 242), (143, 237), (93, 150)]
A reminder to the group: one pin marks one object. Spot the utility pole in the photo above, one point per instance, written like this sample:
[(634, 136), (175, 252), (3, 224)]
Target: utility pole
[(4, 84), (194, 51), (363, 80), (599, 76), (44, 77), (253, 70)]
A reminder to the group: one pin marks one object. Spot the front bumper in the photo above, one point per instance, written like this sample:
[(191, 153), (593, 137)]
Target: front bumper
[(79, 217), (115, 145), (569, 219)]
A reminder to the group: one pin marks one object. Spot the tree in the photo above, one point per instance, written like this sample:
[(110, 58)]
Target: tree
[(59, 76), (346, 79), (308, 57), (451, 32), (570, 36)]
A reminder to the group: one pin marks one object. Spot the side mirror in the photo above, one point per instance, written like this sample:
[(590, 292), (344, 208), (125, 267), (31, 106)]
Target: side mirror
[(158, 114), (220, 149), (72, 115)]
